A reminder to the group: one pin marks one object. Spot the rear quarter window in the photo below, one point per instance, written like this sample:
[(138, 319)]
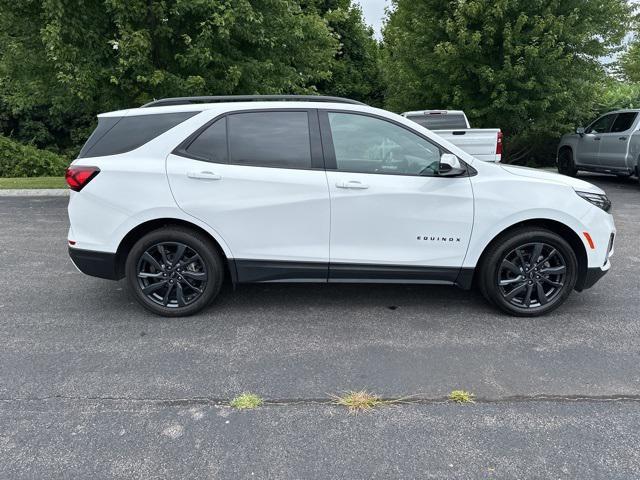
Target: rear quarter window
[(115, 135)]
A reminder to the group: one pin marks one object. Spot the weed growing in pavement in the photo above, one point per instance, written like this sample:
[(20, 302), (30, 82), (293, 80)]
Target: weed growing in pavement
[(246, 401), (461, 396), (363, 401)]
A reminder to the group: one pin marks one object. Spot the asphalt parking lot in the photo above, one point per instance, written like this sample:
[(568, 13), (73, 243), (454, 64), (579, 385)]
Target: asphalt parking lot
[(92, 385)]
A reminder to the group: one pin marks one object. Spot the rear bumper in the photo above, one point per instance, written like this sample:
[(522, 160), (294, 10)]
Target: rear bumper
[(96, 264)]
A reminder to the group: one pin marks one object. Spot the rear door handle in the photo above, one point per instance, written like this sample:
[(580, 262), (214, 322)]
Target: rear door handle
[(622, 138), (352, 184), (204, 175), (597, 139)]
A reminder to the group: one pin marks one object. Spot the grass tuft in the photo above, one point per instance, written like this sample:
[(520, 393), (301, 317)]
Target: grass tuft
[(363, 401), (360, 401), (32, 182), (246, 401), (461, 396)]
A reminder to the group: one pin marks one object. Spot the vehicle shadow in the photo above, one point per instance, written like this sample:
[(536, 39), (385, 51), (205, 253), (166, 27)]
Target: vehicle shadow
[(313, 295)]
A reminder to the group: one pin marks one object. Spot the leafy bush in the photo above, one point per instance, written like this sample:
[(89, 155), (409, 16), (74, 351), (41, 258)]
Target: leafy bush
[(19, 160)]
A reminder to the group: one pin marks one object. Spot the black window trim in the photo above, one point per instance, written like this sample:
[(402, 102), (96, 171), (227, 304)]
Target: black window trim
[(330, 154), (315, 145)]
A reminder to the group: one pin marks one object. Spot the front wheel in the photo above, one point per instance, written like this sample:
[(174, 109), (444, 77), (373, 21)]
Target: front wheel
[(529, 272), (566, 165), (174, 271)]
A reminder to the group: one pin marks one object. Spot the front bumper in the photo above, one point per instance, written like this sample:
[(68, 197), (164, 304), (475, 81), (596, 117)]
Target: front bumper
[(96, 264), (591, 277)]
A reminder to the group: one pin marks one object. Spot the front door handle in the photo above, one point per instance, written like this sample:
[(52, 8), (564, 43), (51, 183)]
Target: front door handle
[(204, 175), (597, 139), (352, 184)]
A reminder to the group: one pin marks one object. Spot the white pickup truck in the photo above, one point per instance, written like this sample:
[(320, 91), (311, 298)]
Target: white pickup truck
[(453, 125)]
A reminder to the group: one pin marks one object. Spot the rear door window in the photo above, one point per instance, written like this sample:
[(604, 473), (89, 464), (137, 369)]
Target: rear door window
[(440, 121), (270, 139), (116, 135), (624, 122), (211, 144)]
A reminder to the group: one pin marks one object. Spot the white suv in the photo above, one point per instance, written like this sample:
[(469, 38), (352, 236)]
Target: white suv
[(181, 194)]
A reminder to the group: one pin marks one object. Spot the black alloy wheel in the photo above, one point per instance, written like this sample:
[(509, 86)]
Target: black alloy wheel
[(174, 271), (532, 275), (172, 274), (528, 272)]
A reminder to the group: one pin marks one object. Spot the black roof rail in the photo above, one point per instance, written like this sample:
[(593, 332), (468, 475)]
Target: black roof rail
[(163, 102)]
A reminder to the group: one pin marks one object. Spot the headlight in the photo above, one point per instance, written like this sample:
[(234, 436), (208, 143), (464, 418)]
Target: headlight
[(597, 199)]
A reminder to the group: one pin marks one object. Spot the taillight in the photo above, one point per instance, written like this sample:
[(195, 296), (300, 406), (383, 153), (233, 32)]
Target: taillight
[(499, 144), (78, 176)]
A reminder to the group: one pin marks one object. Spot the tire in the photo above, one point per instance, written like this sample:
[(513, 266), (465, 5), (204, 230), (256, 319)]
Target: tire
[(566, 165), (172, 289), (536, 288)]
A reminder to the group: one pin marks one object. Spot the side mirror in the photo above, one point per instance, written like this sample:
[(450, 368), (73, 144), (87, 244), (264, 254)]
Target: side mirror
[(450, 166), (580, 131)]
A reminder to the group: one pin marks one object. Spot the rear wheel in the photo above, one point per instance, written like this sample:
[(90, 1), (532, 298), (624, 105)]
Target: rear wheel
[(174, 271), (528, 272), (566, 165)]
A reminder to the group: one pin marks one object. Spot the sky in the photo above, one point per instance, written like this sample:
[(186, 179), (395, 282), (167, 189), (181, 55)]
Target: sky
[(374, 13)]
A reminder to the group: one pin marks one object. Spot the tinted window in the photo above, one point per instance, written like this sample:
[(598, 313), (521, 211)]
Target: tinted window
[(602, 125), (129, 133), (211, 145), (449, 121), (104, 125), (371, 145), (270, 139), (624, 122)]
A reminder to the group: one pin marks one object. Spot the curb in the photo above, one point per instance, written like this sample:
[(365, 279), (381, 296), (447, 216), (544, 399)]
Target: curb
[(35, 192)]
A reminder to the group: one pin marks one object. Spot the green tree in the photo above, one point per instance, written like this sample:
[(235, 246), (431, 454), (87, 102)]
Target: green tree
[(617, 95), (356, 70), (62, 61), (530, 67), (629, 64)]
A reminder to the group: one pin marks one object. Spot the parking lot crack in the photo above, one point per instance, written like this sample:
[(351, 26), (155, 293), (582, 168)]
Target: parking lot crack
[(293, 402)]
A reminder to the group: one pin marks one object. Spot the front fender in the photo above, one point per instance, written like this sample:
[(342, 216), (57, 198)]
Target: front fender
[(483, 237), (503, 201)]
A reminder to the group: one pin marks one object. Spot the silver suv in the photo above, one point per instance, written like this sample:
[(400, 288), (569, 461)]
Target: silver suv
[(610, 144)]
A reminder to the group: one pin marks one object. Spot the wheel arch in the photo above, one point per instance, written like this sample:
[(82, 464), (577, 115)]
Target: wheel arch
[(142, 229), (566, 147), (567, 233)]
